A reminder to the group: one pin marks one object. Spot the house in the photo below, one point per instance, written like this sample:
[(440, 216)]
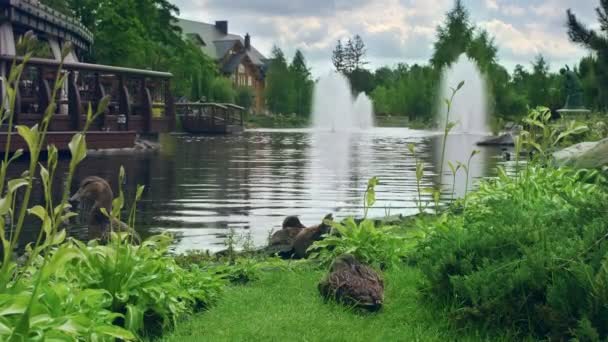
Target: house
[(236, 57)]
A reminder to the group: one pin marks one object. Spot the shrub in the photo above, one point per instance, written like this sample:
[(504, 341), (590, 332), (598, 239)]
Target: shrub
[(244, 97), (221, 90), (528, 253)]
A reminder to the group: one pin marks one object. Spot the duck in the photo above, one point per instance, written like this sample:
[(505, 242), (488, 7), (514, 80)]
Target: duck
[(307, 236), (353, 283), (97, 193), (281, 242)]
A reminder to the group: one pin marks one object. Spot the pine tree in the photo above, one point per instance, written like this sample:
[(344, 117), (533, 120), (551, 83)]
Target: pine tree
[(302, 84), (454, 37), (357, 52), (579, 33), (338, 57)]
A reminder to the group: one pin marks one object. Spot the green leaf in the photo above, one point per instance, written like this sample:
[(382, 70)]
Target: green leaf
[(17, 183), (412, 148), (460, 85), (31, 137), (103, 104), (116, 332), (38, 211), (78, 148)]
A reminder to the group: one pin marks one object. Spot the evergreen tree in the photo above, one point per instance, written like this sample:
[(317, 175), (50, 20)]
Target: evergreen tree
[(338, 57), (302, 84), (357, 52), (279, 86), (598, 42), (453, 37)]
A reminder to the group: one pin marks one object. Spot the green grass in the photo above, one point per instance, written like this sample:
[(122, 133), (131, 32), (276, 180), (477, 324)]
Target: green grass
[(285, 306)]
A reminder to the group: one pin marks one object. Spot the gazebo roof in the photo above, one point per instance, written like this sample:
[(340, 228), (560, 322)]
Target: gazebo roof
[(32, 15)]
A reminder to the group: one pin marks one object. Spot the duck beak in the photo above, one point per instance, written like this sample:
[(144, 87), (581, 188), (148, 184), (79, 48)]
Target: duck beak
[(75, 200)]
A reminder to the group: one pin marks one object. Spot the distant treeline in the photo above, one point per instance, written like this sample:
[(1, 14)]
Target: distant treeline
[(144, 34)]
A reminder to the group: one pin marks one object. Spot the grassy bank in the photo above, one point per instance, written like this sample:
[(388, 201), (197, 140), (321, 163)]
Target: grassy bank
[(276, 121), (285, 305)]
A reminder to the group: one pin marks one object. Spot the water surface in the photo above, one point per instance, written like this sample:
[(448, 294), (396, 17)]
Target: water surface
[(200, 187)]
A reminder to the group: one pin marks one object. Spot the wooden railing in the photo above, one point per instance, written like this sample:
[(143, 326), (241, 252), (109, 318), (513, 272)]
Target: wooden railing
[(198, 117), (140, 100)]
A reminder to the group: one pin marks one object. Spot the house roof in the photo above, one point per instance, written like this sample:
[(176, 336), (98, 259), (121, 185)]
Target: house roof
[(216, 43)]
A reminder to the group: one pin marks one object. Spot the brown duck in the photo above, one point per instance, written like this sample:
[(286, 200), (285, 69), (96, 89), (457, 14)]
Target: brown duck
[(97, 193), (307, 236), (281, 242), (353, 283)]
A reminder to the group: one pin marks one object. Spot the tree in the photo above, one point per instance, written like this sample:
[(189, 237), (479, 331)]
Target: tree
[(279, 86), (338, 57), (453, 37), (579, 33), (356, 53), (302, 84), (538, 87)]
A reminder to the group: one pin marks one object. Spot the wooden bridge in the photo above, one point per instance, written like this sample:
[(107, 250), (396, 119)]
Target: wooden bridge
[(210, 118)]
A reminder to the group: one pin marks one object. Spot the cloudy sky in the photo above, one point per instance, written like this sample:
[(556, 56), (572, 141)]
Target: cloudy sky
[(396, 30)]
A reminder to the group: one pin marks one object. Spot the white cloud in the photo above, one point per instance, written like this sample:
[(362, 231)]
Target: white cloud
[(395, 30)]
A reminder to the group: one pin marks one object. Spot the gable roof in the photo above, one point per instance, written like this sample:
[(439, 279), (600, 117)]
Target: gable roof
[(217, 44)]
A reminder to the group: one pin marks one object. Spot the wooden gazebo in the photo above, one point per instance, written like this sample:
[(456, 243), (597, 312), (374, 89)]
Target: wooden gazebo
[(141, 100)]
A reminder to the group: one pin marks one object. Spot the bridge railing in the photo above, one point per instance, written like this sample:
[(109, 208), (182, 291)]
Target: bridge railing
[(141, 100), (199, 116)]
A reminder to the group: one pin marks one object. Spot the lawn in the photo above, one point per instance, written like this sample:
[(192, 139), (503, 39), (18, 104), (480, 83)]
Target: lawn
[(285, 306)]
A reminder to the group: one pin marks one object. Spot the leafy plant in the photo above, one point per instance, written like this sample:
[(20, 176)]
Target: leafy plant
[(419, 176), (65, 289), (543, 137), (448, 125), (380, 246), (369, 197)]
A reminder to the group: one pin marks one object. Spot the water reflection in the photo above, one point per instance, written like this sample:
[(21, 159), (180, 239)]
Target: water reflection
[(200, 187)]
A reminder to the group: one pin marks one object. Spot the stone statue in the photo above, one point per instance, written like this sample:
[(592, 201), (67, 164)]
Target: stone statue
[(574, 89)]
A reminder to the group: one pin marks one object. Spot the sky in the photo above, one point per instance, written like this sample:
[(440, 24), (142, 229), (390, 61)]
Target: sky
[(397, 31)]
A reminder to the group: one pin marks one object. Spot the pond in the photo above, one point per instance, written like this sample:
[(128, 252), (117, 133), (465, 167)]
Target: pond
[(200, 187)]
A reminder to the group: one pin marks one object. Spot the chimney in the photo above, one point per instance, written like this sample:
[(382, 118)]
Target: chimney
[(222, 26), (247, 42)]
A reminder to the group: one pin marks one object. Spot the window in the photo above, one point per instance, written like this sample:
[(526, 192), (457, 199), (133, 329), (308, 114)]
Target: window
[(241, 69), (250, 81)]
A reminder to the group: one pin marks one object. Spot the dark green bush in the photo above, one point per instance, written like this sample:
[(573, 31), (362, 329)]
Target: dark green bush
[(530, 253)]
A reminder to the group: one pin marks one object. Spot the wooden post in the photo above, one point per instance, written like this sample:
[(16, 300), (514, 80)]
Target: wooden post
[(74, 102), (124, 103)]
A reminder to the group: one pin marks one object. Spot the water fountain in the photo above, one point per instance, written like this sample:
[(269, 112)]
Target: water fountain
[(334, 108), (470, 106)]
